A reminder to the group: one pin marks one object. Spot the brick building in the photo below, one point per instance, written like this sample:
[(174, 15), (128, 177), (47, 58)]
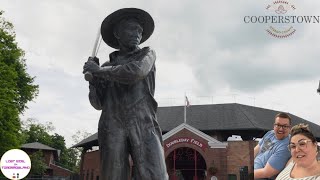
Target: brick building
[(50, 155), (204, 144)]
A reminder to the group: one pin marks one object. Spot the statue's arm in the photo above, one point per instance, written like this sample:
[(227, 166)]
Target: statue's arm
[(96, 86), (131, 72), (95, 95)]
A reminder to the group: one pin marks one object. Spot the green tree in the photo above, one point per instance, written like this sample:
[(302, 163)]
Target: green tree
[(68, 159), (68, 156), (77, 137), (16, 87), (38, 165), (58, 142), (33, 131)]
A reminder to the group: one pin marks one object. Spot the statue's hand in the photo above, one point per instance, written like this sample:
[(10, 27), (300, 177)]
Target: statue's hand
[(95, 59), (91, 66)]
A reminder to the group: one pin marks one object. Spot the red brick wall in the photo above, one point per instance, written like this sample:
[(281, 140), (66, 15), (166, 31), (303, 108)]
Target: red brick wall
[(240, 153), (48, 157), (59, 171), (227, 160), (218, 155), (47, 154), (91, 165)]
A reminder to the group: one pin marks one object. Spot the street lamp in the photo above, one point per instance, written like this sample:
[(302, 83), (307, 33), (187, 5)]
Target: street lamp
[(318, 90)]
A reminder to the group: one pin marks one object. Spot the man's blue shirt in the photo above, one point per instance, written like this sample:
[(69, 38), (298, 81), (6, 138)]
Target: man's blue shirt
[(273, 151)]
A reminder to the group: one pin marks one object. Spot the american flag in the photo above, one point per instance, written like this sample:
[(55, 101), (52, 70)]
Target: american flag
[(187, 102)]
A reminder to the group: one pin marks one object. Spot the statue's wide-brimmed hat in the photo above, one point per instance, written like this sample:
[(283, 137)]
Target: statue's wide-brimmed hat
[(109, 23)]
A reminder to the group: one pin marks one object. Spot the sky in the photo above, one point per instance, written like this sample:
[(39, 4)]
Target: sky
[(204, 50)]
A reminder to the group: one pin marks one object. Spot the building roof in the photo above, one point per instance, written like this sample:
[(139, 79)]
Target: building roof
[(230, 119), (37, 145), (88, 142), (40, 146), (224, 117)]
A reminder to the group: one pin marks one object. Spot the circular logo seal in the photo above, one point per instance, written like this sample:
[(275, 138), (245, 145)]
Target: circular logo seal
[(15, 164), (281, 14)]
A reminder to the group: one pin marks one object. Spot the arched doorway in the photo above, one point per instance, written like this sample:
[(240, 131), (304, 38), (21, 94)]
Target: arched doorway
[(186, 164)]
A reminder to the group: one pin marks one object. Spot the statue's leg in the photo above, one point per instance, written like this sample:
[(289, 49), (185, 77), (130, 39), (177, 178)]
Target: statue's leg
[(147, 151), (114, 163)]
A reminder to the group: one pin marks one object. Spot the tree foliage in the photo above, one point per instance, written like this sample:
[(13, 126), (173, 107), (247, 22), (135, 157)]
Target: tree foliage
[(77, 137), (16, 86), (38, 165), (33, 131)]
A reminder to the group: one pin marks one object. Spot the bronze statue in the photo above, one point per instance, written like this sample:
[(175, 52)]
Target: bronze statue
[(123, 89)]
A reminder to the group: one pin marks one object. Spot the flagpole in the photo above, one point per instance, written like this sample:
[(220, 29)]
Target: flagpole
[(185, 108)]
